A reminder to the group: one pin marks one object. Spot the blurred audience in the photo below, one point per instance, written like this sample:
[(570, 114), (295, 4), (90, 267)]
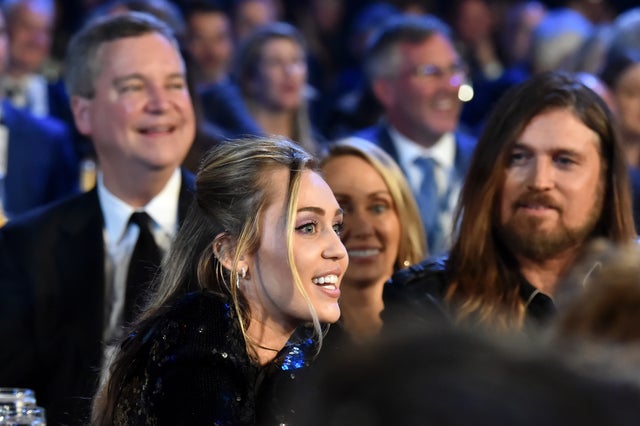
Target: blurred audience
[(38, 162), (208, 42), (249, 15), (436, 377), (597, 327), (270, 71)]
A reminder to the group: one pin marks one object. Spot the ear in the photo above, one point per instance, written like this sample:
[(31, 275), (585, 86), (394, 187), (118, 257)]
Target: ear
[(383, 91), (224, 249), (81, 108)]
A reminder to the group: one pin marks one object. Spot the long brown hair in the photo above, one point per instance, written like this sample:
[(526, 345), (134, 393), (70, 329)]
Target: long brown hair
[(483, 271)]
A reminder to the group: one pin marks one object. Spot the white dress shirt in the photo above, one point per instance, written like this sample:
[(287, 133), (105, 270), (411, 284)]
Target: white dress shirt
[(120, 240)]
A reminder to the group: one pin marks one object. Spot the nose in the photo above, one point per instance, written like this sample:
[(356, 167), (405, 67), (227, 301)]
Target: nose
[(541, 175), (358, 224), (334, 249), (158, 100)]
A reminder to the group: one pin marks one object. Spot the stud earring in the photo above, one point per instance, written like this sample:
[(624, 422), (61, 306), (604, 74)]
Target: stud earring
[(243, 273)]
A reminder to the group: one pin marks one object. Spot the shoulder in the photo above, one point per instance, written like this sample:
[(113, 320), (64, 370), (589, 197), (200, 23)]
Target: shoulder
[(465, 140), (417, 292), (17, 119), (372, 133), (430, 274), (68, 213)]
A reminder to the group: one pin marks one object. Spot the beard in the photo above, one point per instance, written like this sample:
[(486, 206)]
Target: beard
[(522, 236)]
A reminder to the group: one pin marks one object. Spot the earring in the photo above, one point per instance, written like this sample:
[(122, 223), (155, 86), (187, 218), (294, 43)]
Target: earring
[(243, 273), (237, 282)]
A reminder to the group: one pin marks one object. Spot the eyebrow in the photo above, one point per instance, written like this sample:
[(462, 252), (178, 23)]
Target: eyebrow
[(137, 76), (319, 210)]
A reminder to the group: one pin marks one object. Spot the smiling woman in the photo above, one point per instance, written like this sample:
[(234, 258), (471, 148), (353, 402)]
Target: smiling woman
[(382, 228), (264, 264)]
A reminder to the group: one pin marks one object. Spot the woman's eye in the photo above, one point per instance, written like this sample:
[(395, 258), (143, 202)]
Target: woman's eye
[(379, 208), (307, 228), (338, 228)]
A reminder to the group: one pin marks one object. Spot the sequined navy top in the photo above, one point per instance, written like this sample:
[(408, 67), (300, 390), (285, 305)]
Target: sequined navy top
[(193, 369)]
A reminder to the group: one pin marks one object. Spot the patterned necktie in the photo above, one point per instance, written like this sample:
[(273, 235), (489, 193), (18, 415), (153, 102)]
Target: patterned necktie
[(143, 266), (429, 204)]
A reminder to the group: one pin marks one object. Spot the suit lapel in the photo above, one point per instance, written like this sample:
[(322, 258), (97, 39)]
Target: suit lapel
[(83, 238)]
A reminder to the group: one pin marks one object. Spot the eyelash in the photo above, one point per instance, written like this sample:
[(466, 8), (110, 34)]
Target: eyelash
[(337, 227)]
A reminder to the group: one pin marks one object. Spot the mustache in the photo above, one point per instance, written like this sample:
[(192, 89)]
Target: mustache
[(536, 198)]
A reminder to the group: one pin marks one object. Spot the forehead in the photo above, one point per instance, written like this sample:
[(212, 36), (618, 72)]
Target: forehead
[(559, 129), (149, 53), (278, 45), (351, 173), (435, 49)]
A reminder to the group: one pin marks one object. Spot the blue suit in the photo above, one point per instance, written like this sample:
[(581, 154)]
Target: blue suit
[(42, 165), (465, 144)]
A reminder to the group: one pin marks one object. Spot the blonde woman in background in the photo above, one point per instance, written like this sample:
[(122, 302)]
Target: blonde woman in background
[(382, 231)]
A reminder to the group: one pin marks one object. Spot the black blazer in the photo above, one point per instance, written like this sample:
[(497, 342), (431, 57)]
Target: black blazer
[(52, 304)]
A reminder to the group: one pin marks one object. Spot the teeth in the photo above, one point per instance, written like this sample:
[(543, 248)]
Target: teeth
[(444, 104), (326, 280), (363, 253), (157, 129)]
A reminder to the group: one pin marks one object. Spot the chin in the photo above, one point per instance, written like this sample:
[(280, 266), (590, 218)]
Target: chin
[(329, 315)]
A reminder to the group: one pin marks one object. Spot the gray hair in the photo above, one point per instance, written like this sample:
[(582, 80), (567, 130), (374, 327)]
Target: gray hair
[(382, 57)]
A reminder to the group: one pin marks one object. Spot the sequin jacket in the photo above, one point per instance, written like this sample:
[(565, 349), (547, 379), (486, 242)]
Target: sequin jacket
[(193, 369)]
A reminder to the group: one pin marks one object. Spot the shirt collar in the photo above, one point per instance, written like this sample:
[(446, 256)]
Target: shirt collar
[(443, 151), (163, 209)]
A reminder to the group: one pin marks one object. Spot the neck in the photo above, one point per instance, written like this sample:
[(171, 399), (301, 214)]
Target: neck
[(360, 307), (275, 122), (267, 339), (419, 135), (632, 149), (544, 275), (139, 190)]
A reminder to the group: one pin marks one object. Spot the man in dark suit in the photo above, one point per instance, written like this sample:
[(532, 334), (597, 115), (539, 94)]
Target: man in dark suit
[(63, 270), (416, 74)]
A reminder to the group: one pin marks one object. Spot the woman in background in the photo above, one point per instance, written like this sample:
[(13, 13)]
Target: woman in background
[(382, 228), (271, 72)]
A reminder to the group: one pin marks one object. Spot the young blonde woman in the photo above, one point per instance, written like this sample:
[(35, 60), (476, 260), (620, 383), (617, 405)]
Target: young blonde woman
[(261, 245)]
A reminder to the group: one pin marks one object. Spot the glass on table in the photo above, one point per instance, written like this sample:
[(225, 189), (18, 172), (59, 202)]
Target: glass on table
[(13, 400), (24, 416)]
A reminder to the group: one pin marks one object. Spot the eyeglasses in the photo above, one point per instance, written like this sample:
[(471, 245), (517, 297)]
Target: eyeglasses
[(457, 70)]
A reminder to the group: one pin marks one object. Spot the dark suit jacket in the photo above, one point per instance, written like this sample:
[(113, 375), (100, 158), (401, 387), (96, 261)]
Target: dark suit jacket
[(465, 144), (52, 305), (41, 162)]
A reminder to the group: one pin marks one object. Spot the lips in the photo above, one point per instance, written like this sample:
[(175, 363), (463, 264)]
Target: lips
[(159, 129)]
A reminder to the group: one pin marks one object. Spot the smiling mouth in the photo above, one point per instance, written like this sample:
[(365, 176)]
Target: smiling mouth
[(363, 253), (157, 130), (328, 281)]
